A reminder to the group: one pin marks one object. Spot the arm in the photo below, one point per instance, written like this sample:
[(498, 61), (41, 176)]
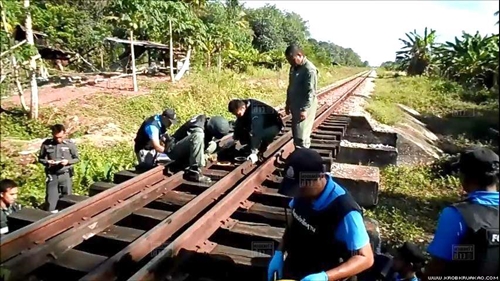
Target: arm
[(289, 88), (310, 87), (153, 133), (353, 233), (74, 154), (256, 137), (449, 232), (42, 156)]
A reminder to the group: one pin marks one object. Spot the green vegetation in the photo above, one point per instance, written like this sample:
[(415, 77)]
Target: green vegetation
[(454, 88)]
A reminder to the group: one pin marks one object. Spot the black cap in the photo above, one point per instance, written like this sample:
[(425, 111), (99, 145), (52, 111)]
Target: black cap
[(218, 126), (478, 161), (301, 166), (170, 114), (409, 252)]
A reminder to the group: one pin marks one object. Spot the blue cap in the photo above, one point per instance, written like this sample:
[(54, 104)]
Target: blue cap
[(301, 166)]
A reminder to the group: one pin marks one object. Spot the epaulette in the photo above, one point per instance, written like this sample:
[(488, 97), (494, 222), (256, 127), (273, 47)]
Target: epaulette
[(68, 141)]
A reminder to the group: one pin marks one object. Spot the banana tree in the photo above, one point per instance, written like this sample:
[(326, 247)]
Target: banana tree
[(415, 55), (471, 60)]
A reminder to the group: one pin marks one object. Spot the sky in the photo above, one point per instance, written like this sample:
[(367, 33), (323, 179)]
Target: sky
[(372, 28)]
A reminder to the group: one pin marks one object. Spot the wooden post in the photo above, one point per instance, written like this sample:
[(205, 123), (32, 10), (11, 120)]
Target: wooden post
[(134, 75), (171, 47), (32, 71)]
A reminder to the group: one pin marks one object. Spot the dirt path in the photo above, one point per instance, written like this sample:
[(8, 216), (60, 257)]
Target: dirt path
[(59, 95)]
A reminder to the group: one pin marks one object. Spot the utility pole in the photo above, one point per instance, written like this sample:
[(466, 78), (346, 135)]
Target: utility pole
[(32, 72)]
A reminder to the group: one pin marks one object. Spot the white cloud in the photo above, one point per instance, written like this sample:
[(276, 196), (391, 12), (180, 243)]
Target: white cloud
[(372, 28)]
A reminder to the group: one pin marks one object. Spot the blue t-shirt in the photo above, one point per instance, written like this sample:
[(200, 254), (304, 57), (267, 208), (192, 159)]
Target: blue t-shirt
[(352, 231), (153, 128), (451, 225), (398, 278)]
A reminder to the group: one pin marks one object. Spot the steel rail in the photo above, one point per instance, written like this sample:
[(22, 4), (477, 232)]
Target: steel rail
[(71, 219), (37, 233), (166, 228), (214, 218)]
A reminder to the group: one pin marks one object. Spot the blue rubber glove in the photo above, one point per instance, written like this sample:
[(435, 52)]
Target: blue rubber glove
[(276, 265), (316, 277)]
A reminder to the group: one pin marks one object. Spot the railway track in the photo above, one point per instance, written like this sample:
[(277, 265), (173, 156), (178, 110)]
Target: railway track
[(143, 219)]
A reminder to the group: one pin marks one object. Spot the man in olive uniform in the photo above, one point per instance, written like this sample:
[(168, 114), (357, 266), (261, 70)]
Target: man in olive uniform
[(8, 197), (194, 139), (150, 136), (58, 155), (301, 99)]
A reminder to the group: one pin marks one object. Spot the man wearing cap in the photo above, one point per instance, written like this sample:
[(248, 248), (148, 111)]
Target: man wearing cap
[(466, 241), (407, 262), (326, 239), (147, 141), (301, 99), (194, 139)]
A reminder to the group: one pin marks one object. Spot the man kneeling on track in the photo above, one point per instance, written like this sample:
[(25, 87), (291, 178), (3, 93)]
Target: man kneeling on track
[(326, 239), (257, 125), (194, 139), (147, 141)]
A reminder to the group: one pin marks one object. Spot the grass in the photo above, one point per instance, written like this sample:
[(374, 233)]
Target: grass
[(411, 198), (204, 92)]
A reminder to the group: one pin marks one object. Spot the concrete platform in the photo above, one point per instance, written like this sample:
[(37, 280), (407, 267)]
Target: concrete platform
[(367, 154), (361, 181), (361, 131)]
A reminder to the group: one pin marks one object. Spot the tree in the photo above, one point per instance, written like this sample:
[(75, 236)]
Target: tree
[(32, 70), (415, 55)]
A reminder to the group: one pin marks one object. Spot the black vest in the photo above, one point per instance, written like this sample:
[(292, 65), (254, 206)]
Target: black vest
[(198, 121), (142, 139), (311, 243), (257, 108), (477, 253)]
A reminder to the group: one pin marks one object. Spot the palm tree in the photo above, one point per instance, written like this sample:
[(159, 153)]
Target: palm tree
[(415, 55)]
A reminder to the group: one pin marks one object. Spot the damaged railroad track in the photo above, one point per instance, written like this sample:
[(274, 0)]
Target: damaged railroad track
[(131, 229)]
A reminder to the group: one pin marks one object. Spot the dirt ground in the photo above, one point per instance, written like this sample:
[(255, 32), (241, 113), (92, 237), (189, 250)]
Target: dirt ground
[(59, 95)]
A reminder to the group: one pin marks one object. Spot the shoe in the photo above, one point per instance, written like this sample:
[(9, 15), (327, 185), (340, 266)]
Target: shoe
[(197, 176)]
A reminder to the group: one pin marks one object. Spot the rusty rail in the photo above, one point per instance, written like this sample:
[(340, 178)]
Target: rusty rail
[(85, 219), (195, 237)]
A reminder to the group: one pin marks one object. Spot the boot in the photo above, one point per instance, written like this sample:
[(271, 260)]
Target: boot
[(194, 174)]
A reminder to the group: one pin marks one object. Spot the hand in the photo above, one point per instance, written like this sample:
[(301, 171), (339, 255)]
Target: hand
[(64, 162), (322, 276), (275, 265), (253, 158), (287, 110), (303, 115), (51, 162)]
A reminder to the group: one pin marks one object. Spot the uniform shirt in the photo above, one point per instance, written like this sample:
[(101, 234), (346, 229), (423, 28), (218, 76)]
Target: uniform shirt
[(303, 81), (352, 231), (153, 129), (451, 226), (51, 150), (4, 213)]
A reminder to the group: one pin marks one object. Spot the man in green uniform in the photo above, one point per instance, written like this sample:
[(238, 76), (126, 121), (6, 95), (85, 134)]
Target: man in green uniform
[(8, 197), (58, 155), (301, 99)]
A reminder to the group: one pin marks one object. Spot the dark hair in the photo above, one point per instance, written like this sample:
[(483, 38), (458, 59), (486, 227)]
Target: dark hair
[(235, 105), (57, 128), (483, 180), (293, 50), (7, 184)]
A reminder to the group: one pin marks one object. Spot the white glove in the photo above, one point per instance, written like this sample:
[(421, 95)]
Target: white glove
[(253, 158), (211, 147)]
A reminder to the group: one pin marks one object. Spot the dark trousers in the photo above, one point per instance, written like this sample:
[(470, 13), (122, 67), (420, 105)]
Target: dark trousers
[(56, 186)]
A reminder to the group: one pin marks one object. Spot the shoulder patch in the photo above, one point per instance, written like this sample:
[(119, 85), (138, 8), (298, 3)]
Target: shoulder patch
[(68, 141)]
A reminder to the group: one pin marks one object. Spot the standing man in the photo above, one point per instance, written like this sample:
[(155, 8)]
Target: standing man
[(257, 124), (8, 197), (58, 155), (194, 139), (466, 242), (301, 99), (326, 239), (147, 145)]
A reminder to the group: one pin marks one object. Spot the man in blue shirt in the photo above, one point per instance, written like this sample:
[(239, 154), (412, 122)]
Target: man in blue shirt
[(326, 239), (466, 239), (147, 141)]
